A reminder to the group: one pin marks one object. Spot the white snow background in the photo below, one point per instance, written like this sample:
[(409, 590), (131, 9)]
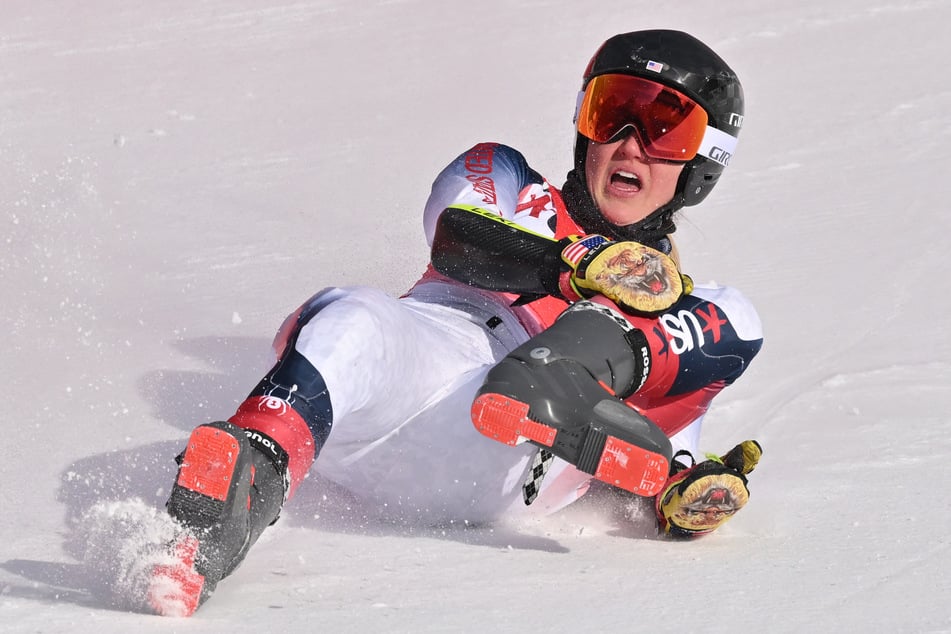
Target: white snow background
[(176, 177)]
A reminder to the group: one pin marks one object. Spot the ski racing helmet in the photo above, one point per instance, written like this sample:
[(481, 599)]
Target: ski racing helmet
[(613, 95)]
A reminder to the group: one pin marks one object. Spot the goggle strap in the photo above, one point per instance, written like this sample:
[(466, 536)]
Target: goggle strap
[(717, 145), (574, 120)]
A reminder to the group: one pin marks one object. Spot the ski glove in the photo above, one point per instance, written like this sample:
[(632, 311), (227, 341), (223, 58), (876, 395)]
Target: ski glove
[(699, 499), (638, 278)]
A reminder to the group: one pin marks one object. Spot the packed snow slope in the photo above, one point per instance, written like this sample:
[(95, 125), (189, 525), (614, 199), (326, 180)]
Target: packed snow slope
[(176, 177)]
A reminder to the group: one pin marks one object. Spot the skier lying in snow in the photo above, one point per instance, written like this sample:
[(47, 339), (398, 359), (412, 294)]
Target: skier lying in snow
[(556, 317)]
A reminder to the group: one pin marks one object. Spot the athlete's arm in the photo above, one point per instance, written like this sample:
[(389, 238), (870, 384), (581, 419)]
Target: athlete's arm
[(474, 246), (469, 228)]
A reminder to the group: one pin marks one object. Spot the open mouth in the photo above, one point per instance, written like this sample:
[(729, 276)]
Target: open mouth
[(628, 181)]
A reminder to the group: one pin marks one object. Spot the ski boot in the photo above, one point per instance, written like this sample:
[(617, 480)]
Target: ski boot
[(563, 389), (700, 498), (231, 485)]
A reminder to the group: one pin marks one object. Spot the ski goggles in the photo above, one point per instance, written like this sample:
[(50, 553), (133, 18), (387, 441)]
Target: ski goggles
[(669, 125)]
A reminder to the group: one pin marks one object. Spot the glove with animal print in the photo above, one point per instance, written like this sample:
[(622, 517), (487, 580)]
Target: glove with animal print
[(638, 278)]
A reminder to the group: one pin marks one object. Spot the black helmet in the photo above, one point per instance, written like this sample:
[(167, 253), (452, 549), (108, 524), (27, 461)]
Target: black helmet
[(687, 65)]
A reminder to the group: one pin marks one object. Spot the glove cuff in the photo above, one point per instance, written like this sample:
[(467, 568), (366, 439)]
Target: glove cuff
[(574, 253), (567, 287)]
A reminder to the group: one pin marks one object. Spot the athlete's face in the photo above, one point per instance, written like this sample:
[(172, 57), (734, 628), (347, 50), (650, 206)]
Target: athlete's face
[(626, 184)]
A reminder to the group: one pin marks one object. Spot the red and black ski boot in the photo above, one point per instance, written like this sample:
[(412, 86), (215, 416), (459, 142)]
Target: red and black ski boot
[(231, 485), (563, 389)]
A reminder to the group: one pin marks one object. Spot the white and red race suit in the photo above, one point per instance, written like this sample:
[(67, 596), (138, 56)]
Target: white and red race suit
[(375, 391)]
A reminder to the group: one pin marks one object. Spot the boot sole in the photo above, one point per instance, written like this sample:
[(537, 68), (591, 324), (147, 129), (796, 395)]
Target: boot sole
[(202, 470), (175, 588), (609, 458)]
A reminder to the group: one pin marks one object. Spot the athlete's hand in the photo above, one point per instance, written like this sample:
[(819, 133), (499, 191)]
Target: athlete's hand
[(635, 276)]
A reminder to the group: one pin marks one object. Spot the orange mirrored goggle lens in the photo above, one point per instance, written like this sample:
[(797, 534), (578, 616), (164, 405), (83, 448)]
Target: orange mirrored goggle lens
[(669, 125)]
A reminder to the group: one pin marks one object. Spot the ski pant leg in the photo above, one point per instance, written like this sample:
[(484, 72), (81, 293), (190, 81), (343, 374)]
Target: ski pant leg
[(382, 387), (405, 441)]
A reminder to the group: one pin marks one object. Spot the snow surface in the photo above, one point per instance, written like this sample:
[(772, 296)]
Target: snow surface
[(175, 177)]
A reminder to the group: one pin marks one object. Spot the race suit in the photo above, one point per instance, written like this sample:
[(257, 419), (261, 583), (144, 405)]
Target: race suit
[(375, 391)]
